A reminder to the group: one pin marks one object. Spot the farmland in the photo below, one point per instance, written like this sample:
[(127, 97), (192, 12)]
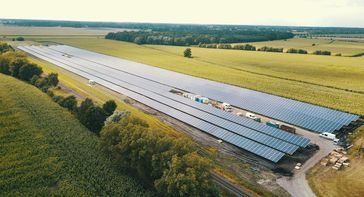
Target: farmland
[(348, 182), (345, 48), (59, 31), (334, 82), (46, 151)]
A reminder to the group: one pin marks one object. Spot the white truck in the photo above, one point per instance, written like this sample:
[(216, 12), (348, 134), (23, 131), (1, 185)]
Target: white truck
[(226, 107), (327, 135), (252, 116)]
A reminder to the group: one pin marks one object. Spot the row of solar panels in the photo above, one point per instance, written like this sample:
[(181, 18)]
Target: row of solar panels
[(251, 135), (238, 129), (164, 90), (244, 143), (305, 115)]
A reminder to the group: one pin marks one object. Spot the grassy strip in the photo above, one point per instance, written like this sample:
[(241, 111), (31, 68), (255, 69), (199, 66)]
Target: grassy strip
[(325, 181)]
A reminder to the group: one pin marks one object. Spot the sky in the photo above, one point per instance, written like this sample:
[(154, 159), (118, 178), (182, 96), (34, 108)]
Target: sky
[(343, 13)]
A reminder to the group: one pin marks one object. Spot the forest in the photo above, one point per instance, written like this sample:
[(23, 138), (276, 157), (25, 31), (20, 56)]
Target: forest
[(197, 36)]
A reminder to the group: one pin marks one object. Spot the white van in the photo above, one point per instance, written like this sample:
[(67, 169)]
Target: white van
[(91, 82), (250, 115), (327, 135)]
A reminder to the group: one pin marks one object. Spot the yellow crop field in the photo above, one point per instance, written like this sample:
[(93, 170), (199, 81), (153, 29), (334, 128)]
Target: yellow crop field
[(335, 82), (45, 151), (59, 31), (346, 48)]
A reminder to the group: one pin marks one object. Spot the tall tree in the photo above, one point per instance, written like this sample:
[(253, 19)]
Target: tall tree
[(27, 71), (53, 79), (109, 107), (187, 53), (188, 175), (81, 111), (15, 66)]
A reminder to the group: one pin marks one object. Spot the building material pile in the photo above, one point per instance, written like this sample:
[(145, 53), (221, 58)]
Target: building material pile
[(337, 159)]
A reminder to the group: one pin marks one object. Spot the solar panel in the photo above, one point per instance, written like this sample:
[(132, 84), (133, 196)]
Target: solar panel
[(233, 127), (239, 141), (163, 89), (298, 113)]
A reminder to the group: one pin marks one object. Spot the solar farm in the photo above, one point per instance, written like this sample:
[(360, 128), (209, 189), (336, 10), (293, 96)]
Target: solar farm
[(154, 87)]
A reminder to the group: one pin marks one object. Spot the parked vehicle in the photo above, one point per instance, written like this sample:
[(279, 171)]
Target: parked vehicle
[(226, 107), (252, 116), (273, 124), (336, 141), (288, 128), (327, 135), (203, 100), (91, 82)]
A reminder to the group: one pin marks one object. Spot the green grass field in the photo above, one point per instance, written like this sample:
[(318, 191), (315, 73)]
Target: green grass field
[(347, 182), (346, 48), (335, 82), (45, 151)]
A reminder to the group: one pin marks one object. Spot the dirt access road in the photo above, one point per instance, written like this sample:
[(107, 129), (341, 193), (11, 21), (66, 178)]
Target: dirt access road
[(297, 185)]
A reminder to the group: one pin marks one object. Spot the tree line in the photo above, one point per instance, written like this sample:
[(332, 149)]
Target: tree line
[(249, 47), (197, 36)]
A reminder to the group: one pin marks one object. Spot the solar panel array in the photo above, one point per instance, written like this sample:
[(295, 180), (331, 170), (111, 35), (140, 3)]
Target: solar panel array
[(267, 142), (312, 117)]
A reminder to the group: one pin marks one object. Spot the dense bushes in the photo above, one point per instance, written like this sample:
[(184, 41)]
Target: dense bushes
[(271, 49), (16, 65), (5, 47), (247, 47), (322, 52), (300, 51), (170, 165)]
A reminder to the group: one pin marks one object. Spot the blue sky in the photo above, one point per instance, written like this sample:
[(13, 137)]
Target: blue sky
[(347, 13)]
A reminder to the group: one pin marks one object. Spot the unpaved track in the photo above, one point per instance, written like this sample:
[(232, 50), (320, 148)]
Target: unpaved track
[(297, 185)]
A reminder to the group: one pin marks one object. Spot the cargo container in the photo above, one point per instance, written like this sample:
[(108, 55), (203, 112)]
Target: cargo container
[(288, 128), (273, 124)]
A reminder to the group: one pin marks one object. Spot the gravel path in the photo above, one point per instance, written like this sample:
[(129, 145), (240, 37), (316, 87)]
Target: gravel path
[(297, 185)]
